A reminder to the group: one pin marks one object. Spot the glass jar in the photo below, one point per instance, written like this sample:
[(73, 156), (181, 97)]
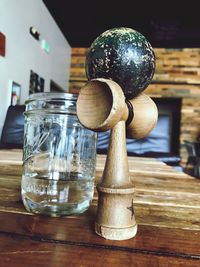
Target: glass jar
[(59, 156)]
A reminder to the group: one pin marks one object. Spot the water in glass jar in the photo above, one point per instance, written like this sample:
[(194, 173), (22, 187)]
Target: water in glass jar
[(58, 194)]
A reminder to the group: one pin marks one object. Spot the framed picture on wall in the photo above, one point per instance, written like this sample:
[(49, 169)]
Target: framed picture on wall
[(15, 93)]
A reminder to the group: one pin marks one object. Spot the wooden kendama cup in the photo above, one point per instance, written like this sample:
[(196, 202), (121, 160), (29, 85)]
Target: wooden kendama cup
[(113, 99)]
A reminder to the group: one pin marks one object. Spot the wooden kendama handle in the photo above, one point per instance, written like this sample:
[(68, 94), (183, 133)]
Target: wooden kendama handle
[(115, 213)]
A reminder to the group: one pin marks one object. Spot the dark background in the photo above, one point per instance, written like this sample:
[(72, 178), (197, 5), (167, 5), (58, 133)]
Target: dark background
[(165, 24)]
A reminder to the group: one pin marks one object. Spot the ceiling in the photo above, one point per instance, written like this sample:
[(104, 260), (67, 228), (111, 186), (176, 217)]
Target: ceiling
[(163, 24)]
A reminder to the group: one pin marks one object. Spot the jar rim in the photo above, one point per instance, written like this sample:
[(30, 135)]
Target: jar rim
[(51, 96)]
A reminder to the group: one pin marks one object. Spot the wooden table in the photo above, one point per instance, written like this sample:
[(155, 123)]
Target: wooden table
[(167, 210)]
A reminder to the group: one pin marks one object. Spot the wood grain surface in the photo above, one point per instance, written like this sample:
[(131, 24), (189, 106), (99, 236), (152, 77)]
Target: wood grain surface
[(167, 210)]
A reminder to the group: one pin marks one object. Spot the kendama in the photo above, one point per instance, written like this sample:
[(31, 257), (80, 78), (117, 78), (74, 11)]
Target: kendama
[(119, 66)]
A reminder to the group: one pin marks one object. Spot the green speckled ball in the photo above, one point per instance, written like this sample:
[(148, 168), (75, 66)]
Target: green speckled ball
[(123, 55)]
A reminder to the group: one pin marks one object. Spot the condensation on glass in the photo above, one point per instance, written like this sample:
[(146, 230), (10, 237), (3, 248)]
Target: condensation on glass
[(59, 156)]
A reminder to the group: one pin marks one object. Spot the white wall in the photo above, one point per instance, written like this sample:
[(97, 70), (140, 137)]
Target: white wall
[(24, 53)]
